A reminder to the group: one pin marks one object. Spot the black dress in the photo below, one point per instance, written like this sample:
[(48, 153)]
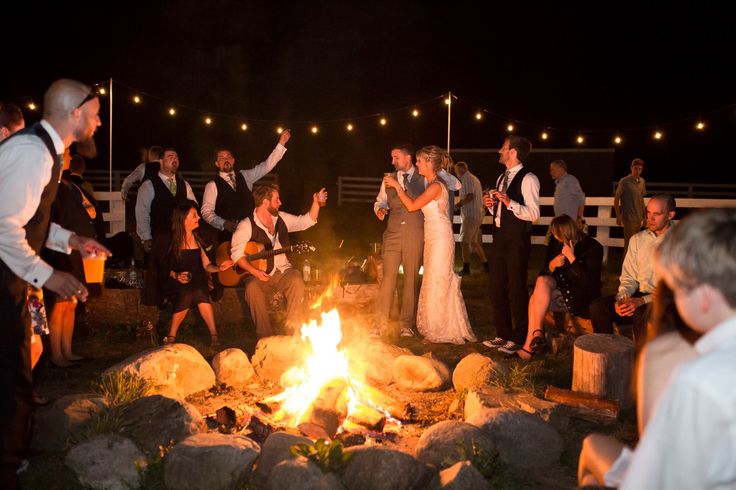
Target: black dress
[(196, 291)]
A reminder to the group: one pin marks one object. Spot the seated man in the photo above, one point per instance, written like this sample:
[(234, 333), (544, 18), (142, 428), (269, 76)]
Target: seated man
[(270, 228), (637, 275), (569, 282)]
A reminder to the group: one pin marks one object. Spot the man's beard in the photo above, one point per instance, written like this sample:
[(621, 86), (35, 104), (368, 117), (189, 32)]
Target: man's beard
[(273, 211), (87, 148)]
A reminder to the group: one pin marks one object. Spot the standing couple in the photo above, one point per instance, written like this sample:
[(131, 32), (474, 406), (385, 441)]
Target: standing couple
[(441, 316)]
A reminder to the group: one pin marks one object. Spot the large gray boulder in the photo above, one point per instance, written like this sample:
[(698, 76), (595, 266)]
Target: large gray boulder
[(523, 440), (175, 370), (213, 461), (419, 373), (154, 421), (107, 462), (450, 441), (65, 417), (233, 368), (301, 474), (277, 354), (462, 476), (476, 370), (480, 399), (275, 450), (379, 468)]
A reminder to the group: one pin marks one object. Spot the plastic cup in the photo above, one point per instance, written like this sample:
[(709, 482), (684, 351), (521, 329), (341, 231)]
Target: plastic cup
[(94, 268), (322, 199)]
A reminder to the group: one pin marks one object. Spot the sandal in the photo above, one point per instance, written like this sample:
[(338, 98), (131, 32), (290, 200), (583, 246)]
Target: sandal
[(169, 339), (214, 341), (538, 343), (516, 357)]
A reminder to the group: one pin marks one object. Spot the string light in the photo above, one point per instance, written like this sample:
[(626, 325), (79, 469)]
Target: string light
[(279, 130), (349, 127), (544, 135), (700, 126), (447, 101), (208, 121), (172, 111), (580, 140), (658, 135), (315, 130), (617, 140), (136, 99), (32, 106), (510, 128), (478, 116), (383, 121), (243, 127), (415, 113), (101, 91)]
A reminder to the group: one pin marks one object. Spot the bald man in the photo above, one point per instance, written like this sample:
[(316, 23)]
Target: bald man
[(30, 165)]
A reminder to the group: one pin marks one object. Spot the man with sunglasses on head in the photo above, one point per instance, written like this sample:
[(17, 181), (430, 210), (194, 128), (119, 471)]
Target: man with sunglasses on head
[(30, 166)]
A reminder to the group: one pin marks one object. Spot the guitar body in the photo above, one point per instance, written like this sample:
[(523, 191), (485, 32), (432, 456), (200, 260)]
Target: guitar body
[(256, 254)]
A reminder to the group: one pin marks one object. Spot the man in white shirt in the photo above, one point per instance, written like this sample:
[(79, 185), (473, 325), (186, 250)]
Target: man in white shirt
[(228, 198), (270, 228), (30, 166), (154, 206), (471, 212), (515, 205), (690, 441), (11, 119), (638, 275)]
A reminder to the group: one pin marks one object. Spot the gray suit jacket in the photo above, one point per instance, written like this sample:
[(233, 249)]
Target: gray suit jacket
[(399, 219)]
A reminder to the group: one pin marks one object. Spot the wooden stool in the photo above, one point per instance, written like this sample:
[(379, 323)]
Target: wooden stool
[(603, 366)]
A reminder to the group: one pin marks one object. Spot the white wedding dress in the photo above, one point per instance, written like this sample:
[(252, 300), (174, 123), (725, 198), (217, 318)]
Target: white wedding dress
[(441, 314)]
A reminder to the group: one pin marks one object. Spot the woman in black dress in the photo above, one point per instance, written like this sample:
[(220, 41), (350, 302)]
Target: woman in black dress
[(189, 286), (570, 280)]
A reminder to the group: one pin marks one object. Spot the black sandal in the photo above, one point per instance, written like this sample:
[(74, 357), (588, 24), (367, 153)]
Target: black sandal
[(516, 357), (538, 343)]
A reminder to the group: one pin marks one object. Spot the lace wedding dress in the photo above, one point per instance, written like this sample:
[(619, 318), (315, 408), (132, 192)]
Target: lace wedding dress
[(441, 314)]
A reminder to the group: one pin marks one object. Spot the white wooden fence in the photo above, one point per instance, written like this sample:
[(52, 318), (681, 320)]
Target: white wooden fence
[(116, 216)]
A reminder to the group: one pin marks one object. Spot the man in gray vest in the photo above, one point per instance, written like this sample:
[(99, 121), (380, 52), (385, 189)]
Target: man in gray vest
[(403, 242)]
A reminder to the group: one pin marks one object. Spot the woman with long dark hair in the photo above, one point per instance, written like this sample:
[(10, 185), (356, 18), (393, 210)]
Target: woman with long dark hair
[(189, 266)]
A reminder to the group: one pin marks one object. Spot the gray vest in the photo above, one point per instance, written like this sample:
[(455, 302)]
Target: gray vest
[(399, 219)]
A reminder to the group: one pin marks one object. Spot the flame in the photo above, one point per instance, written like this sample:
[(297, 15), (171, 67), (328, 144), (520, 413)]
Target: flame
[(326, 297), (325, 366)]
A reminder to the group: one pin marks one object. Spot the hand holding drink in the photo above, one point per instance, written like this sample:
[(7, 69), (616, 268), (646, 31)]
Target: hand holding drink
[(489, 199), (624, 307)]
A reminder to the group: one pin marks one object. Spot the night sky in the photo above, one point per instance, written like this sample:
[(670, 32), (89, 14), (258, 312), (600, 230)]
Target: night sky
[(598, 69)]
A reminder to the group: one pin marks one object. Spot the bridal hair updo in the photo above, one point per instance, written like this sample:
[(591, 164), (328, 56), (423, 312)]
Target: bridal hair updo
[(434, 154)]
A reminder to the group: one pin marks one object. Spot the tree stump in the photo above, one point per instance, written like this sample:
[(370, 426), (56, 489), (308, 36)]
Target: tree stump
[(603, 365)]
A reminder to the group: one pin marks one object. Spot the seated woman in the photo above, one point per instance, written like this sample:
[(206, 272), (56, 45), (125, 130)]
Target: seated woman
[(603, 459), (189, 286), (569, 282)]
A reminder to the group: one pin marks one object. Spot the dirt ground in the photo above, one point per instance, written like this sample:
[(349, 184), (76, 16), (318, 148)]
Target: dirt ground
[(108, 344)]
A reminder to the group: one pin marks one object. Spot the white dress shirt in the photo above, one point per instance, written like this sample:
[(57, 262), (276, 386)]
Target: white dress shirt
[(529, 189), (244, 232), (143, 205), (690, 441), (25, 170), (252, 175), (638, 272)]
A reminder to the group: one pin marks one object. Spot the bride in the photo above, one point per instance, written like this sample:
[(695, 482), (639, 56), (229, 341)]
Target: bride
[(441, 314)]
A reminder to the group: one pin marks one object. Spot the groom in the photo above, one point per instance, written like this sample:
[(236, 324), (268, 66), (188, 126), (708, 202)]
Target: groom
[(403, 242)]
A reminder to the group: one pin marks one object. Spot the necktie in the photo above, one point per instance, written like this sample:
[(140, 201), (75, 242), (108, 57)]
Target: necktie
[(231, 178), (405, 182), (172, 186)]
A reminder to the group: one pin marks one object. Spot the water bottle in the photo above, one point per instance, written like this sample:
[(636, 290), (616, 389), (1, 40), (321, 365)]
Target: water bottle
[(133, 275), (307, 271)]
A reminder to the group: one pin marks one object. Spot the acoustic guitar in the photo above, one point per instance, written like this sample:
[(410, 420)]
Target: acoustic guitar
[(257, 255)]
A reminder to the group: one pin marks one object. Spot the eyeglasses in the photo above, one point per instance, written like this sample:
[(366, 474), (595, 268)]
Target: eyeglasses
[(91, 95)]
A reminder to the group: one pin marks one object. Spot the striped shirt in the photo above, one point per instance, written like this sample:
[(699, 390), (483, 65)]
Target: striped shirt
[(474, 208)]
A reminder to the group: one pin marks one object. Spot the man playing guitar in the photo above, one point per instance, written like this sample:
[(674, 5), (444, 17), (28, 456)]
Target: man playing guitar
[(270, 227)]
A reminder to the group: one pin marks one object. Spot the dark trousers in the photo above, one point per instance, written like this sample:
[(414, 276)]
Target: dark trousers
[(508, 262), (290, 283), (16, 408), (603, 314)]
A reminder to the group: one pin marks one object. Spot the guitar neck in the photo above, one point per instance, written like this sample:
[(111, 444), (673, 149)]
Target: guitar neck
[(269, 253)]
